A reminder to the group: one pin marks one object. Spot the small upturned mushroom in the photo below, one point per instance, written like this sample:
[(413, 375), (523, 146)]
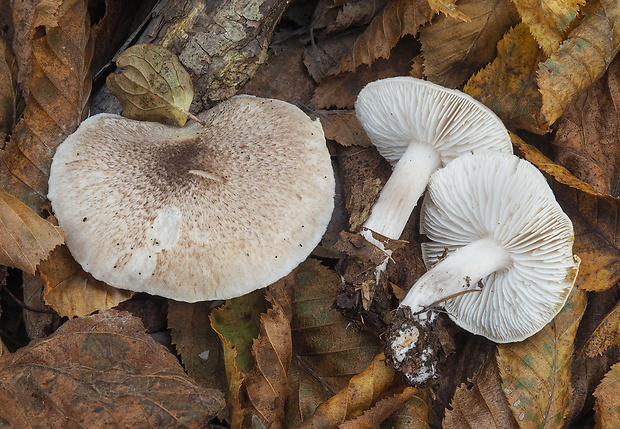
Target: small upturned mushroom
[(500, 250), (419, 127), (195, 213)]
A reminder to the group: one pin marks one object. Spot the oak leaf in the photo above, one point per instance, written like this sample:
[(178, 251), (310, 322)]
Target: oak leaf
[(153, 85), (581, 59), (548, 20), (102, 370), (73, 292), (25, 238), (607, 407), (454, 50), (59, 87), (536, 372), (595, 218), (506, 84)]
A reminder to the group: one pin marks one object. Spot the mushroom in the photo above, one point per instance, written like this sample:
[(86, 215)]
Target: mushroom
[(500, 250), (195, 213), (418, 127)]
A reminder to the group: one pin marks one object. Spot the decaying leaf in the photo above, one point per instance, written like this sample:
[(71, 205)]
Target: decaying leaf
[(59, 87), (595, 218), (449, 9), (25, 238), (399, 18), (73, 292), (454, 50), (413, 414), (343, 127), (482, 405), (8, 91), (153, 85), (101, 370), (548, 20), (581, 59), (607, 407), (536, 372), (587, 140), (506, 85), (606, 334)]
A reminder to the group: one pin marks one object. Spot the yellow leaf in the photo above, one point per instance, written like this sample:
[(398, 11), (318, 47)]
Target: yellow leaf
[(154, 86), (73, 292), (454, 50), (449, 9), (548, 20), (595, 218), (536, 372), (506, 85), (25, 238), (582, 59), (607, 406)]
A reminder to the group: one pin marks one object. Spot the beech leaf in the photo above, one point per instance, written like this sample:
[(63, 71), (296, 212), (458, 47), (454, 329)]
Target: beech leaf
[(25, 238), (536, 372), (606, 334), (8, 91), (581, 60), (449, 9), (154, 86), (607, 406), (101, 370)]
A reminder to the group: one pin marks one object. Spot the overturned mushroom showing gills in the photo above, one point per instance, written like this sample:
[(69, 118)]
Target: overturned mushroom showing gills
[(418, 127), (500, 250), (195, 213)]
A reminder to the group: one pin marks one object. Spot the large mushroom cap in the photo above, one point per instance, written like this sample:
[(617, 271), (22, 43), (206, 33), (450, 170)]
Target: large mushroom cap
[(503, 198), (195, 213), (400, 110)]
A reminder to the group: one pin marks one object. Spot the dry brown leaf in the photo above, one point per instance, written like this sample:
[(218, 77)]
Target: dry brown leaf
[(581, 60), (321, 57), (38, 324), (59, 87), (548, 20), (536, 372), (449, 9), (355, 14), (607, 408), (100, 371), (413, 414), (8, 91), (343, 127), (606, 334), (153, 85), (454, 50), (595, 220), (587, 141), (361, 393), (25, 238), (506, 85), (73, 292), (481, 404), (399, 18)]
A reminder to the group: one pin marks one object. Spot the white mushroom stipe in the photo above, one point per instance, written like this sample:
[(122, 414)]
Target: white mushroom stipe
[(195, 213)]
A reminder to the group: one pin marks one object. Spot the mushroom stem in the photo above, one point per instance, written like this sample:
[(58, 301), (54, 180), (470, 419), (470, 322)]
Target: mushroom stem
[(461, 270), (400, 194)]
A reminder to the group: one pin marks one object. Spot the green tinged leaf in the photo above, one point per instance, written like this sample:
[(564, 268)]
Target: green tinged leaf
[(154, 86)]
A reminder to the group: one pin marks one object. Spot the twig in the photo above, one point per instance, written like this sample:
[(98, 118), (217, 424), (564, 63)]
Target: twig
[(26, 306)]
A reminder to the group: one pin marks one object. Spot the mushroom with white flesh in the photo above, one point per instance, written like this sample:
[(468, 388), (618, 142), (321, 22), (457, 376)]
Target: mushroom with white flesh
[(200, 212), (419, 127), (501, 255)]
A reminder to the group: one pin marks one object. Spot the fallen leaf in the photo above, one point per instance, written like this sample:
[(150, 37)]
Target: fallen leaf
[(8, 91), (607, 407), (548, 20), (587, 139), (73, 292), (536, 372), (153, 85), (595, 218), (321, 57), (343, 127), (506, 84), (101, 370), (399, 18), (480, 404), (453, 50), (197, 343), (38, 324), (449, 9), (413, 414), (59, 87), (25, 238), (606, 334), (355, 14), (581, 60)]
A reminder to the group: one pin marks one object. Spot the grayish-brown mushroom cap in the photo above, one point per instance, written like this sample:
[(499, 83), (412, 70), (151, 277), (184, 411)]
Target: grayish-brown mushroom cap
[(195, 213)]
